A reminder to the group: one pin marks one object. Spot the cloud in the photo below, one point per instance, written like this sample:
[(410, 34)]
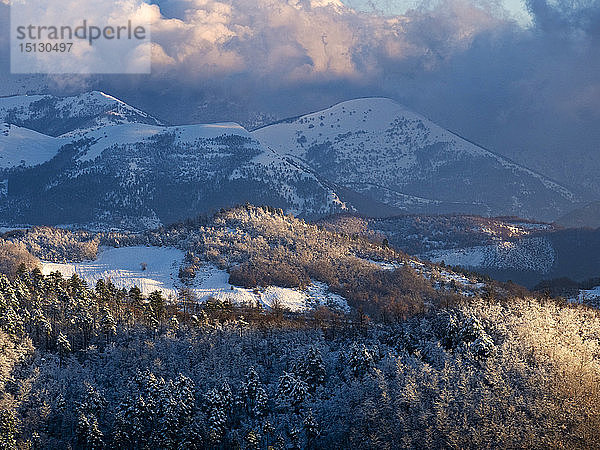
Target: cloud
[(292, 41), (529, 92)]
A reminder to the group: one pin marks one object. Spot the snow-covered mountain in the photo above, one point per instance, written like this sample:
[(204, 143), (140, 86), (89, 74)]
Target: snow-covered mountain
[(59, 115), (377, 147), (93, 160), (25, 147), (112, 168)]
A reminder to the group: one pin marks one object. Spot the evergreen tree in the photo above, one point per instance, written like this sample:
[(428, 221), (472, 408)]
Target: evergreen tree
[(217, 405), (311, 429), (292, 391), (89, 435), (93, 402), (64, 346), (135, 295), (252, 440), (360, 360), (253, 395), (108, 324), (158, 305), (311, 368)]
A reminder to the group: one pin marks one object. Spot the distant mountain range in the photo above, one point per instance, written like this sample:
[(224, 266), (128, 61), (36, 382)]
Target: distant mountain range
[(94, 161)]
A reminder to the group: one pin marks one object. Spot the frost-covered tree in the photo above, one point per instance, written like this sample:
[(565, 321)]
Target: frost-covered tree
[(311, 429), (108, 324), (291, 391), (253, 395), (310, 368), (360, 359), (89, 435)]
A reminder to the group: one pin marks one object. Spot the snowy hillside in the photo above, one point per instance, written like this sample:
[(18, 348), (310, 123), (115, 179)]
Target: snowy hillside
[(103, 164), (157, 268), (24, 147), (133, 133), (58, 115), (379, 148), (139, 175), (123, 266), (532, 254)]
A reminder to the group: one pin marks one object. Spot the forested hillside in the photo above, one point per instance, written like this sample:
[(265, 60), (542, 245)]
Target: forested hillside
[(419, 359)]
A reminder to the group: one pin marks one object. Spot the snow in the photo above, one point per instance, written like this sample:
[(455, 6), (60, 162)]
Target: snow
[(7, 229), (106, 137), (385, 265), (21, 146), (131, 133), (533, 254), (379, 144), (18, 102), (441, 279), (464, 257), (211, 282), (319, 295), (369, 114), (104, 108), (292, 299), (123, 267), (587, 295)]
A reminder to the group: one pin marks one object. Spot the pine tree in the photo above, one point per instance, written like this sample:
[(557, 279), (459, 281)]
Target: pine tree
[(158, 305), (252, 440), (311, 429), (294, 434), (192, 436), (88, 434), (253, 395), (93, 402), (135, 295), (167, 433), (63, 345), (360, 360), (311, 368), (292, 391), (108, 324), (183, 388), (216, 424)]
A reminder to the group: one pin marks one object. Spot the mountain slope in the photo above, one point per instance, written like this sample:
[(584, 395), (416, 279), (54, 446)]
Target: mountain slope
[(59, 115), (24, 147), (587, 216), (93, 160), (136, 175), (379, 148)]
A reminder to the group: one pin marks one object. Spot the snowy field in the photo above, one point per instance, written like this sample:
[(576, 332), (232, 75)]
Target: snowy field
[(123, 266)]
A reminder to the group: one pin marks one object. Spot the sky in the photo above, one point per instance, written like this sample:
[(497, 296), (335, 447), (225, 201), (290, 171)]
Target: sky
[(521, 78), (515, 8)]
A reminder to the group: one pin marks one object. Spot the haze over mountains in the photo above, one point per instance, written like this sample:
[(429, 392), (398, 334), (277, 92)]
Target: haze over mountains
[(94, 160)]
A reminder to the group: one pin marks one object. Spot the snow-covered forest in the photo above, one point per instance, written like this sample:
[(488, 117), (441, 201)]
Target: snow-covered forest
[(419, 360)]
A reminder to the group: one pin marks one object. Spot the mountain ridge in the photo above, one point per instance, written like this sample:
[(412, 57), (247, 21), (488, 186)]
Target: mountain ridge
[(355, 142), (123, 167)]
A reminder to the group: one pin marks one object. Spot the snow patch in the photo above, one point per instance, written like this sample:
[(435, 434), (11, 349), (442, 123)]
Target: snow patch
[(123, 266)]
